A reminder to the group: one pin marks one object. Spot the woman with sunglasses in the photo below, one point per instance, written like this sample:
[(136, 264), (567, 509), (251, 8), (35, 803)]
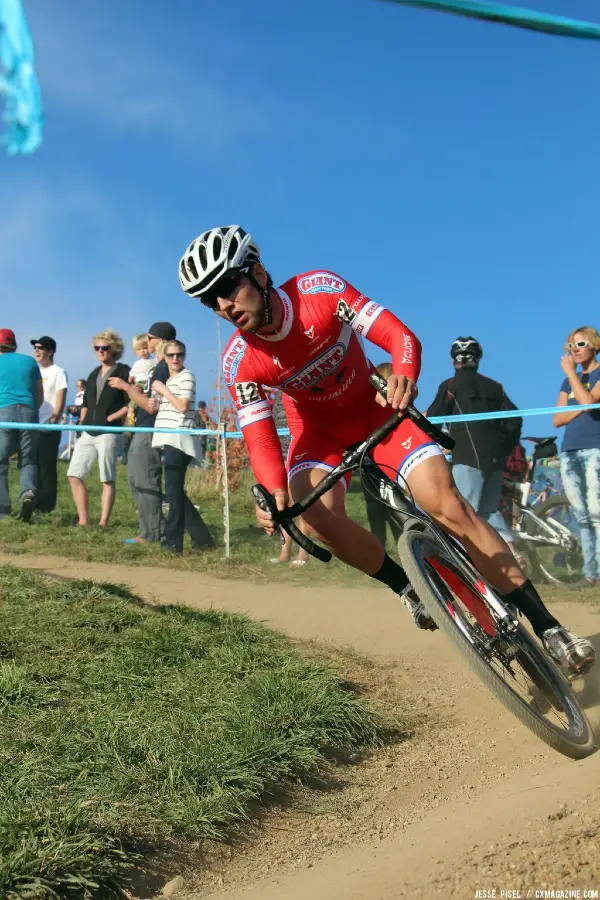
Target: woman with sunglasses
[(580, 451), (177, 410)]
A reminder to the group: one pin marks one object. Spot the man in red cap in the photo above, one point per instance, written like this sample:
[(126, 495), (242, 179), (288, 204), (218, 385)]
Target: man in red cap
[(21, 395)]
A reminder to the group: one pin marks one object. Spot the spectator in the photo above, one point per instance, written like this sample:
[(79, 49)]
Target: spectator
[(285, 557), (54, 380), (102, 405), (21, 396), (144, 464), (75, 408), (377, 513), (203, 420), (481, 449), (176, 410), (143, 368), (580, 450), (141, 372)]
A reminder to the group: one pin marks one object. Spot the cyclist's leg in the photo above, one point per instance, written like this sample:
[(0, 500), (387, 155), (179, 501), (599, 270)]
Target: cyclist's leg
[(312, 454), (422, 465), (433, 490), (328, 520), (470, 483), (489, 506), (432, 487)]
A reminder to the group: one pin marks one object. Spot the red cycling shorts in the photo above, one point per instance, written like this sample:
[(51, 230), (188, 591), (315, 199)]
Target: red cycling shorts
[(319, 442)]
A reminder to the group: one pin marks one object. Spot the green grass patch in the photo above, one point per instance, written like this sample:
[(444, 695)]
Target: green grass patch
[(251, 549), (123, 725)]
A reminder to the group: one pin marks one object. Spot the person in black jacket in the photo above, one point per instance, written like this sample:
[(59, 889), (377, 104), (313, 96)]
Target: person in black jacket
[(102, 405), (481, 448)]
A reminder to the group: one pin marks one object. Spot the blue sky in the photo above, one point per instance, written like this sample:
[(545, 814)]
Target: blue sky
[(447, 168)]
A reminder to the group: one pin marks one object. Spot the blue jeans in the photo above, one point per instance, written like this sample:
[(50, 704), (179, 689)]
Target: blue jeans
[(25, 443), (580, 470), (482, 490)]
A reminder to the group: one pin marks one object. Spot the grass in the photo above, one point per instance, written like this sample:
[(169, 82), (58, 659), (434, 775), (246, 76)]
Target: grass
[(122, 726), (251, 549)]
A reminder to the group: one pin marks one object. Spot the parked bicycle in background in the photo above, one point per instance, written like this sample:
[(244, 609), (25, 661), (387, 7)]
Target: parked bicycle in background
[(545, 530)]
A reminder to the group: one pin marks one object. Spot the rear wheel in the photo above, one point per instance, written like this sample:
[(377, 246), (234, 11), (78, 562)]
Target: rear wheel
[(558, 564), (502, 653)]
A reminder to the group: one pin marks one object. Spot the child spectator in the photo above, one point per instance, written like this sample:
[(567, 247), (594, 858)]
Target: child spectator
[(143, 368), (140, 375)]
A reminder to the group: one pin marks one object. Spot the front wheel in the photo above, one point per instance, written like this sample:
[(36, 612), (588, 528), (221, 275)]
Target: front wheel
[(500, 651)]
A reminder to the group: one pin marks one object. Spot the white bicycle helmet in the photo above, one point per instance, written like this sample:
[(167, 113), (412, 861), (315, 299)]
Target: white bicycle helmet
[(214, 253)]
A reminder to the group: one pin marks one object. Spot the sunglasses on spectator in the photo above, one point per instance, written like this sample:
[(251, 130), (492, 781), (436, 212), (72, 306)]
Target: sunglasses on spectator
[(578, 345), (224, 288), (174, 355), (38, 347), (99, 347)]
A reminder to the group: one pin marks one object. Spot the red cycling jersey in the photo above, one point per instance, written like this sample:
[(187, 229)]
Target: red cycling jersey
[(318, 360)]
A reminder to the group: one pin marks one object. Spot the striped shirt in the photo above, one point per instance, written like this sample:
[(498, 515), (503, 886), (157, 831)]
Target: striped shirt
[(183, 386)]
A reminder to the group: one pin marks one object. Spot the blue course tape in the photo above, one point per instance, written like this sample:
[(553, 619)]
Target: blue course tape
[(511, 15), (200, 432)]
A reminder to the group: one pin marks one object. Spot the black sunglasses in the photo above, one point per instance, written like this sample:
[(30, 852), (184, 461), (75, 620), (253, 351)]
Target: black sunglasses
[(98, 347), (174, 355), (224, 288)]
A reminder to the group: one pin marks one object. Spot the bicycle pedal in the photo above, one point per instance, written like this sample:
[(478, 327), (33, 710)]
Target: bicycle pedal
[(579, 672), (419, 614)]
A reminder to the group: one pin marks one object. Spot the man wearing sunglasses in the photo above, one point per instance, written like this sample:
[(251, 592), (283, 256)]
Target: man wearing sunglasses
[(102, 405), (304, 338)]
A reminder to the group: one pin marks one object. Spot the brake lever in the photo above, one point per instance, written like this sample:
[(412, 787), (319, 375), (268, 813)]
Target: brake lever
[(266, 502)]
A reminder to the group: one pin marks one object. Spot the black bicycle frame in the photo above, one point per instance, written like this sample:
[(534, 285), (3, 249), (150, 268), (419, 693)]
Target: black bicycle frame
[(353, 459)]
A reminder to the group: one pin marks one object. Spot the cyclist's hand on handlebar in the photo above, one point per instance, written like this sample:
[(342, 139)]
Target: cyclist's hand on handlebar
[(400, 392), (264, 519)]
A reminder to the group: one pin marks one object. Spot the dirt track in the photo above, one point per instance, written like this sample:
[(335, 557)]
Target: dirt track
[(478, 805)]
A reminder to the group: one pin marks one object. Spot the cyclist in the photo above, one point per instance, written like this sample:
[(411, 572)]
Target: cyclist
[(304, 338)]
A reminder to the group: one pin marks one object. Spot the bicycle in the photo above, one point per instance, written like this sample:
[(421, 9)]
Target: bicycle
[(487, 634), (545, 527)]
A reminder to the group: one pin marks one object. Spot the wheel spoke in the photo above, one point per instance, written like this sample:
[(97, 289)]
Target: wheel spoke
[(466, 613)]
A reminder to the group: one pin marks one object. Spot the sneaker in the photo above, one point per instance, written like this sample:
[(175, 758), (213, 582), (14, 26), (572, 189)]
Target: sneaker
[(26, 506), (421, 617), (575, 654)]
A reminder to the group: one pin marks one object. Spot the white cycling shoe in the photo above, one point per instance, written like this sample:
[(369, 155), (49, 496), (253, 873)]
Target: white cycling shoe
[(573, 653)]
